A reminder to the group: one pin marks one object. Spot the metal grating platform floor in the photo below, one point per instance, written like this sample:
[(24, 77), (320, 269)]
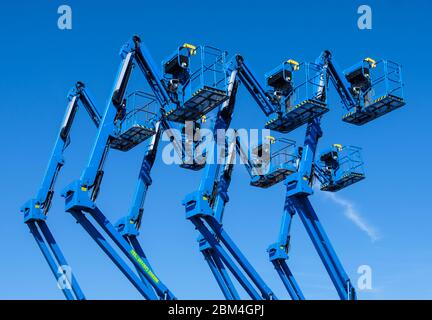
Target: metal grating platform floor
[(132, 137), (297, 116), (202, 102), (346, 180), (378, 108)]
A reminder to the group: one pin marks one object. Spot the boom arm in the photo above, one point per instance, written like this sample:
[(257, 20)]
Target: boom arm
[(337, 78), (80, 196), (132, 51), (204, 208), (144, 181), (247, 78), (148, 68), (35, 210), (79, 94)]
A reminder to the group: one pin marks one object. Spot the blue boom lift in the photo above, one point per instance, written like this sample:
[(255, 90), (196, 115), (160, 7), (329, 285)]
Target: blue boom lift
[(205, 207), (128, 121), (367, 97), (290, 106), (36, 210), (177, 101), (338, 167)]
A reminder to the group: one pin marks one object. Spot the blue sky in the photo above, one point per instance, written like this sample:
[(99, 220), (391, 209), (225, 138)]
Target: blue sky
[(39, 64)]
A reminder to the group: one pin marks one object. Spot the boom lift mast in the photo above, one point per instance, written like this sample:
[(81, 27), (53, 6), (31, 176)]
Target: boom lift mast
[(130, 224), (36, 210)]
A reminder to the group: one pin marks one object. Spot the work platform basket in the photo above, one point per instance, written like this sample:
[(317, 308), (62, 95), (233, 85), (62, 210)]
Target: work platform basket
[(206, 86), (276, 166), (306, 100), (342, 167), (138, 124), (384, 95)]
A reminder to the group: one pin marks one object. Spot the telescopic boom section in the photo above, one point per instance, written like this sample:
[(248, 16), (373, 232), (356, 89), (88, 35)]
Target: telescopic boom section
[(299, 188), (247, 78)]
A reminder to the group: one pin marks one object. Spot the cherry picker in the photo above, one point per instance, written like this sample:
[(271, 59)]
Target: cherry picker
[(337, 167), (36, 210), (205, 207), (177, 102), (126, 124)]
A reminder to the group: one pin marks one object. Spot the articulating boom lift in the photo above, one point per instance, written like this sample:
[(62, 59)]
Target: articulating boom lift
[(338, 167), (129, 225), (205, 207), (36, 210), (171, 92), (369, 89)]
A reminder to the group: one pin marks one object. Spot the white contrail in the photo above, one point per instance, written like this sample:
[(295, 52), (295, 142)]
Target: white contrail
[(351, 213)]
